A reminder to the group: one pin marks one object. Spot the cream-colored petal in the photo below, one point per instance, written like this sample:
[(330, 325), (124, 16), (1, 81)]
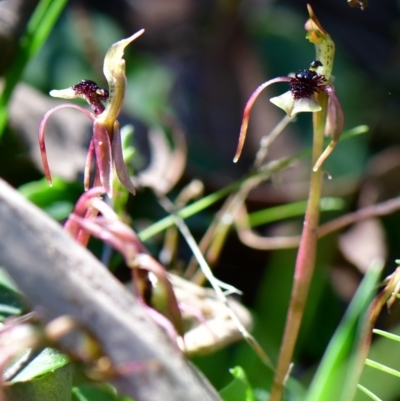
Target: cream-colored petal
[(293, 106), (68, 93), (307, 104), (284, 102)]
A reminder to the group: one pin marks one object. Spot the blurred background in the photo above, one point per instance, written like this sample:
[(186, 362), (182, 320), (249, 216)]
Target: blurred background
[(197, 64)]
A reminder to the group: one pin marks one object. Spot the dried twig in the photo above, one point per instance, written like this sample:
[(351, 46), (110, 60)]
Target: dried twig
[(253, 240)]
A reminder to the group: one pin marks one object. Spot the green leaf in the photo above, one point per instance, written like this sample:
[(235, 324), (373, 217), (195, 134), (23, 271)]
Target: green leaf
[(58, 200), (369, 393), (96, 392), (336, 379), (386, 334), (47, 361), (54, 385), (239, 389), (382, 368), (91, 392), (39, 27), (294, 209), (11, 301), (377, 382)]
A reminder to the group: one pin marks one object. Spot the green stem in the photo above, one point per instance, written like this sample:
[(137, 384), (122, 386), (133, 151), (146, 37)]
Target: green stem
[(305, 261)]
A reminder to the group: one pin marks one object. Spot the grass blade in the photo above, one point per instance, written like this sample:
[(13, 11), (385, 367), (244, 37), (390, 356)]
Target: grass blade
[(335, 379), (38, 29)]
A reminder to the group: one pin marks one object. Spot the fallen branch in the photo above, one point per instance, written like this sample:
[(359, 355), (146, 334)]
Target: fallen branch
[(61, 278)]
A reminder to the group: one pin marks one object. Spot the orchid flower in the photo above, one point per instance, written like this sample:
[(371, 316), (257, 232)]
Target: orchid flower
[(105, 144), (303, 86)]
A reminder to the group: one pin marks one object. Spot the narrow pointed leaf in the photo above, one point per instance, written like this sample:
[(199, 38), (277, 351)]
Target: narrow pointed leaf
[(37, 30), (337, 375), (239, 389)]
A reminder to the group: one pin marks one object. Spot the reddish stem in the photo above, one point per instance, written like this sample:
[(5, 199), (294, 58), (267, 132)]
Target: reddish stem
[(88, 165), (102, 148), (80, 210)]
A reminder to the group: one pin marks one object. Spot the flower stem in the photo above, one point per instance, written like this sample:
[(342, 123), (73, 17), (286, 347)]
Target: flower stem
[(306, 255)]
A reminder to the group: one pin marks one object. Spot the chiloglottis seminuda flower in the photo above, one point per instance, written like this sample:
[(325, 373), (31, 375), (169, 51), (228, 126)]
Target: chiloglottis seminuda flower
[(301, 97), (105, 144)]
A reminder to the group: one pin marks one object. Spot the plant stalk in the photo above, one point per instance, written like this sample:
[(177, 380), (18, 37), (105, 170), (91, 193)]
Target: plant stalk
[(306, 255)]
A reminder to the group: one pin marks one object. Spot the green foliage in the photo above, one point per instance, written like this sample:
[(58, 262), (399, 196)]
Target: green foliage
[(91, 392), (337, 375), (11, 301), (289, 210), (50, 377), (375, 381), (47, 378), (37, 31), (58, 200), (46, 362), (370, 394), (239, 388)]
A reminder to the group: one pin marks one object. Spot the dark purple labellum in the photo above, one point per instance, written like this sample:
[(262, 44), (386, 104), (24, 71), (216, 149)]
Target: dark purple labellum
[(305, 83), (92, 93)]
